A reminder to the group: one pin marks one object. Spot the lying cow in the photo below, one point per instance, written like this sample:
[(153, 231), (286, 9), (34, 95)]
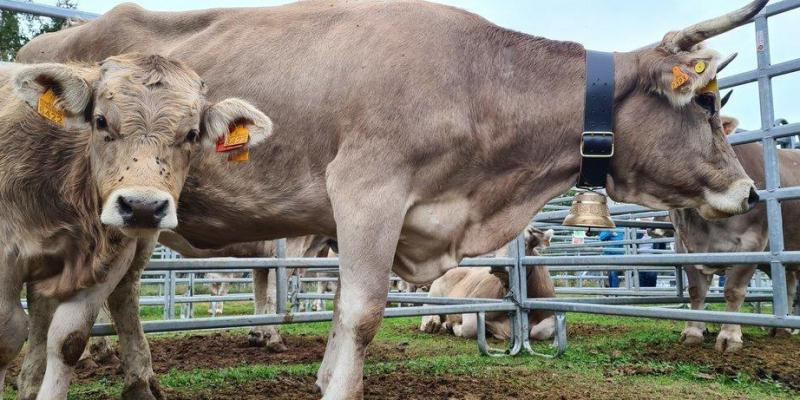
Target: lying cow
[(93, 159), (481, 283), (418, 134), (742, 233)]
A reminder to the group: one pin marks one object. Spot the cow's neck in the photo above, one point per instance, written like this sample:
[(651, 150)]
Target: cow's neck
[(545, 88)]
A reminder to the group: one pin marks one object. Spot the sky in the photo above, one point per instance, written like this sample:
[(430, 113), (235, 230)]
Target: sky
[(607, 25)]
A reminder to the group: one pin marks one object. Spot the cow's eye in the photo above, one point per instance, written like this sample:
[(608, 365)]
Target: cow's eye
[(192, 136), (708, 101), (100, 122)]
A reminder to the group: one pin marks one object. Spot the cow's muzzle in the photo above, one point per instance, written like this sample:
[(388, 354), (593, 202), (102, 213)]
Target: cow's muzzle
[(140, 208), (740, 197)]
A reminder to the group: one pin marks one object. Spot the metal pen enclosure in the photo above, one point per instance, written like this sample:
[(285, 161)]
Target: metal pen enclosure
[(517, 302)]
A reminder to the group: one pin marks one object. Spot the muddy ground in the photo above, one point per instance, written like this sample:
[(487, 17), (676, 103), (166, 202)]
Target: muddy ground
[(762, 357)]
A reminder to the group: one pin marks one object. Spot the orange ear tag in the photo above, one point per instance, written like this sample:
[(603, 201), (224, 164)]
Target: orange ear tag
[(243, 155), (233, 141), (48, 109), (679, 78)]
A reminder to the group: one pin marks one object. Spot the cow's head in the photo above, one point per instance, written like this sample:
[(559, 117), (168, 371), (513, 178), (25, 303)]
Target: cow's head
[(671, 149), (536, 240), (147, 116)]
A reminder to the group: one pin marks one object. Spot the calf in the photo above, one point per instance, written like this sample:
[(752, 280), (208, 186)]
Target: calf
[(92, 162), (741, 233), (481, 283)]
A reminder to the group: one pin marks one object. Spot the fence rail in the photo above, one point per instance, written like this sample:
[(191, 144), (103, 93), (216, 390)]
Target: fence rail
[(628, 301)]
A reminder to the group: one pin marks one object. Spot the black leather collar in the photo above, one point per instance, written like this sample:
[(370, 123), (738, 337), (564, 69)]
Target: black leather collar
[(597, 142)]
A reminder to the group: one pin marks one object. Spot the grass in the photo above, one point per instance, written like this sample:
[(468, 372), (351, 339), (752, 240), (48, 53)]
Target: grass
[(586, 363)]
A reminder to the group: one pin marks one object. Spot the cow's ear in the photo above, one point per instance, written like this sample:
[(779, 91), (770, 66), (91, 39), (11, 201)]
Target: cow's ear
[(678, 76), (222, 118), (729, 124), (548, 236), (58, 92)]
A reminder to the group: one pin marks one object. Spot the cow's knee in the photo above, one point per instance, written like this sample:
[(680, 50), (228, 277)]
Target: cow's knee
[(468, 328), (544, 330), (72, 347)]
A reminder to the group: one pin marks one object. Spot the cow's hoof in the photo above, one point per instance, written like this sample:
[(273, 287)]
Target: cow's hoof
[(256, 339), (141, 390), (430, 325), (728, 344), (277, 346), (692, 337), (87, 364), (780, 332)]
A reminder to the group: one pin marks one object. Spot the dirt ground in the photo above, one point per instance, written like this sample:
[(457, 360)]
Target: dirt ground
[(758, 358), (763, 357)]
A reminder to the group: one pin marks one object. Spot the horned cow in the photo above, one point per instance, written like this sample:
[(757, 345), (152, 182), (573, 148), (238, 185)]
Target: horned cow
[(741, 233), (435, 137)]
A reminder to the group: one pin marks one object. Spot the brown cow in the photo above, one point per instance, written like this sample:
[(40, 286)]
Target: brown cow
[(418, 134), (93, 160), (746, 232), (481, 283)]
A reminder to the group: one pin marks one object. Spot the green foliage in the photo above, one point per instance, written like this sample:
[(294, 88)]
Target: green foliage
[(17, 28)]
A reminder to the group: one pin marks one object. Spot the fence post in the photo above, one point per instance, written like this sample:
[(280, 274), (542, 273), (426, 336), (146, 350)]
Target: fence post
[(281, 279), (780, 302)]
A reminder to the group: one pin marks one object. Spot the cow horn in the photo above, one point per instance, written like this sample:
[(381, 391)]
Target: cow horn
[(726, 61), (685, 39), (725, 99)]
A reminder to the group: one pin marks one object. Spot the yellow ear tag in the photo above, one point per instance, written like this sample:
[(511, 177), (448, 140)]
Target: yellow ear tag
[(712, 87), (679, 78), (48, 109), (243, 155), (700, 67)]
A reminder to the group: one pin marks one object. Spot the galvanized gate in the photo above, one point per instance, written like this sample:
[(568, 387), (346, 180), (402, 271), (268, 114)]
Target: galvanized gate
[(517, 302)]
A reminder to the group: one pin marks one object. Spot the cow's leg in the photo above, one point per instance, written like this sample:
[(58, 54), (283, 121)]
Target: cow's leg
[(729, 339), (99, 348), (698, 288), (212, 308), (223, 291), (369, 214), (544, 330), (265, 290), (40, 311), (123, 304), (791, 289), (433, 323), (468, 328), (69, 330), (14, 327)]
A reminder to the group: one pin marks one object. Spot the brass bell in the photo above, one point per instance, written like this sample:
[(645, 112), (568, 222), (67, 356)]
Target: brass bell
[(589, 209)]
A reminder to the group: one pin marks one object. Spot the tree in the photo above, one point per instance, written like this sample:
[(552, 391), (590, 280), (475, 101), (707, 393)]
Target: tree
[(17, 28)]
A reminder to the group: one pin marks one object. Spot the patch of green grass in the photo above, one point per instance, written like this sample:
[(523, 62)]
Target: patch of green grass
[(598, 359)]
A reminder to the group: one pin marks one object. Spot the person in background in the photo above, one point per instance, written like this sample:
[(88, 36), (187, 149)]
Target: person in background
[(647, 278), (616, 249)]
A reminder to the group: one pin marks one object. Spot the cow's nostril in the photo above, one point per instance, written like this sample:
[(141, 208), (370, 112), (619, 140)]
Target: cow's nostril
[(124, 207), (161, 210), (752, 199)]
